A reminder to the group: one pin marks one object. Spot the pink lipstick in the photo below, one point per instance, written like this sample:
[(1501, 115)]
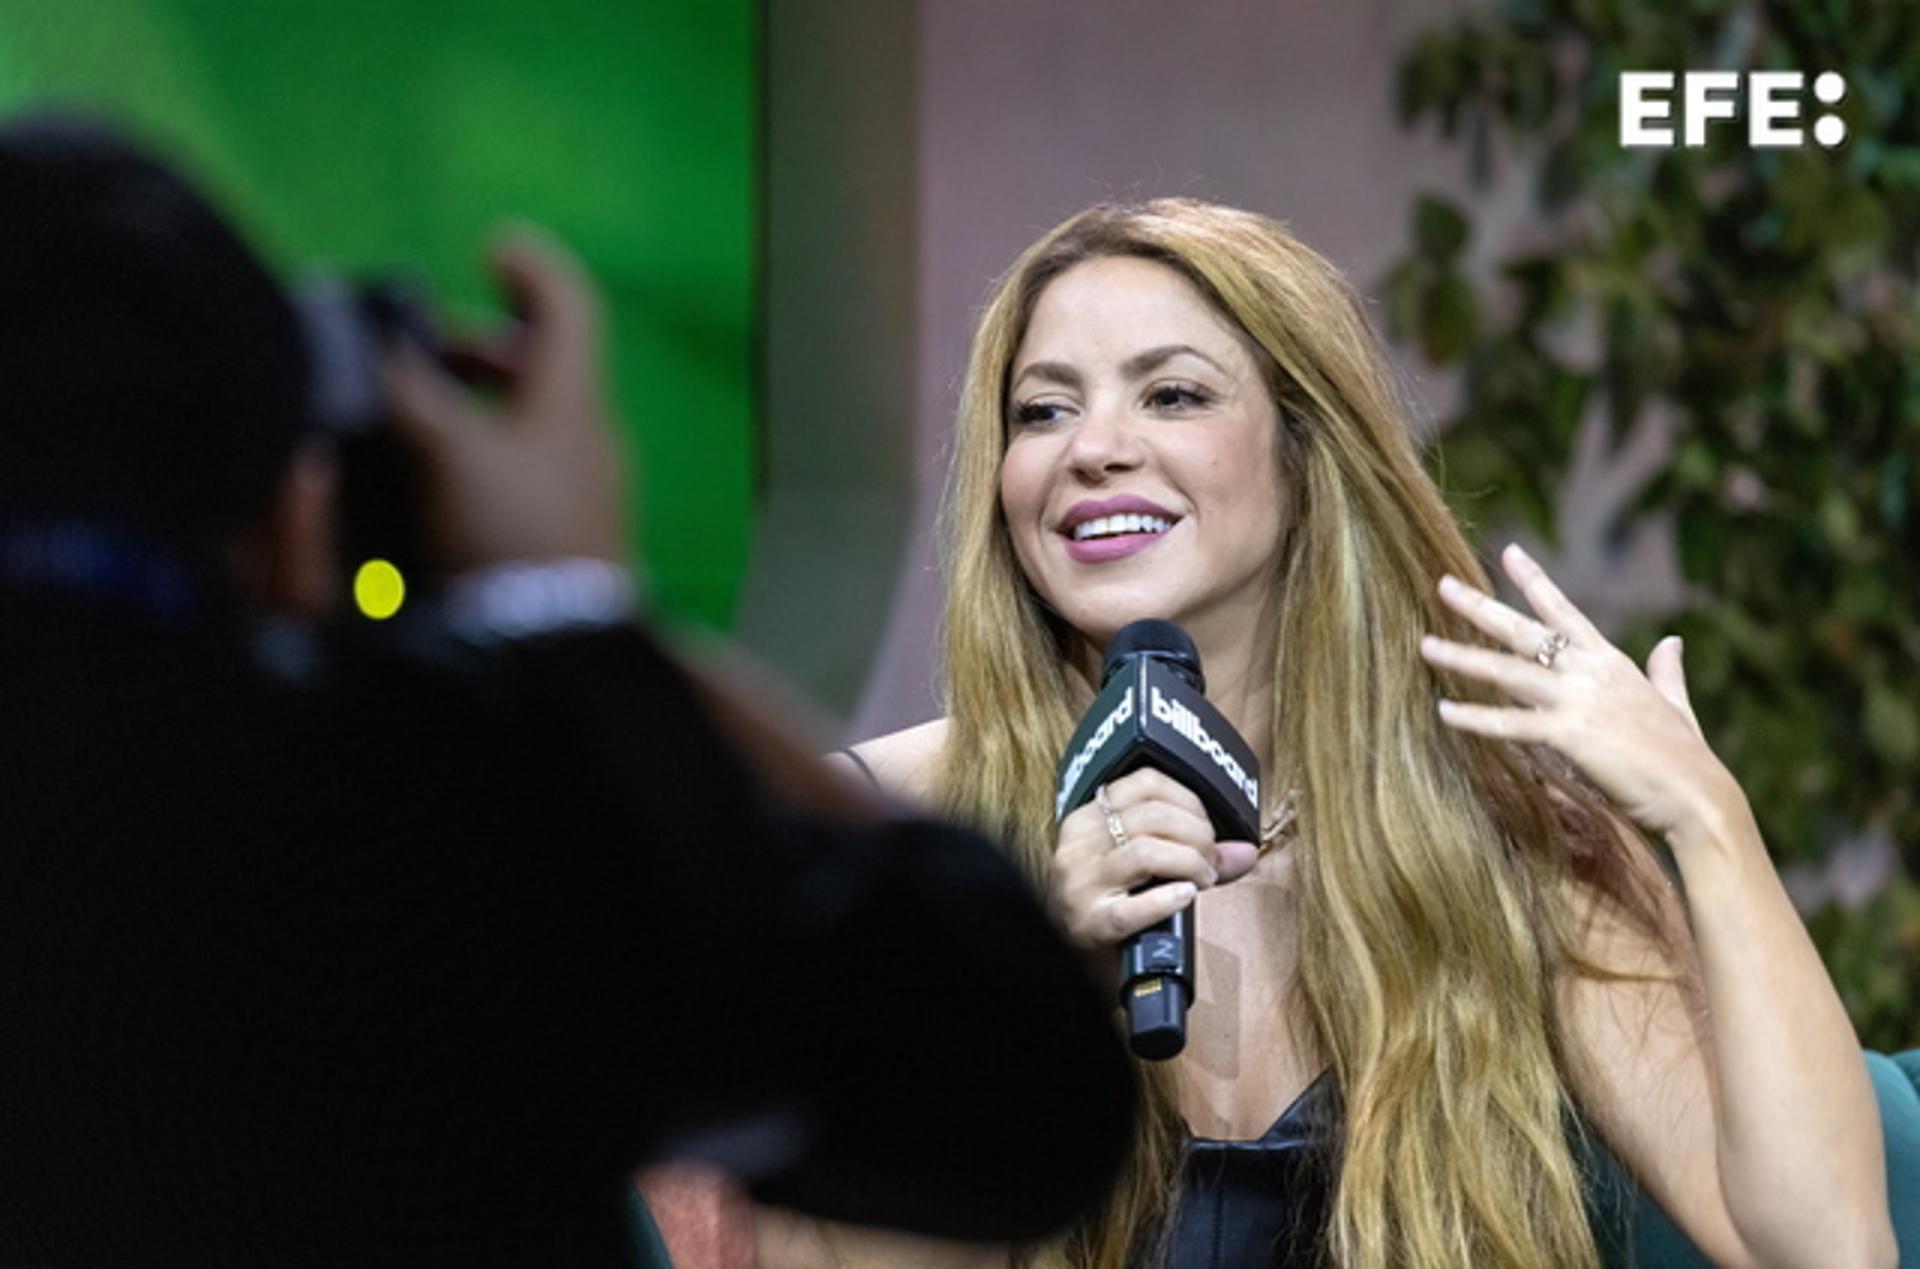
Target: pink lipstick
[(1100, 550), (1120, 526)]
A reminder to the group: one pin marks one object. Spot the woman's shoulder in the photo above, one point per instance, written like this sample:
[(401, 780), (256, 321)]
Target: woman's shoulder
[(906, 763)]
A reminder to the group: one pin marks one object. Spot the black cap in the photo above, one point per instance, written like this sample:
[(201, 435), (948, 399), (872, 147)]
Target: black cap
[(1161, 640), (154, 376)]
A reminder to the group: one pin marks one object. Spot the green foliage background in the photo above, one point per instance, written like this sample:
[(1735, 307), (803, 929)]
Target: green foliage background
[(1764, 303)]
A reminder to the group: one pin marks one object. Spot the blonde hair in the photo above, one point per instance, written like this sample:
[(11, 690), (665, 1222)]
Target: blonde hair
[(1436, 908)]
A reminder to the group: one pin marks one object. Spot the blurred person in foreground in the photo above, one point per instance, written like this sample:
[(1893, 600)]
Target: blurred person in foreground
[(329, 950), (1451, 968)]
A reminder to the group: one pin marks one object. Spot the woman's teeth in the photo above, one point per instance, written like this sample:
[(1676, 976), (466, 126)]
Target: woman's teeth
[(1112, 526)]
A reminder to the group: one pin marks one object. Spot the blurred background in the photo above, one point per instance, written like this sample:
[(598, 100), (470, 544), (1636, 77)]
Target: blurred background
[(1688, 377)]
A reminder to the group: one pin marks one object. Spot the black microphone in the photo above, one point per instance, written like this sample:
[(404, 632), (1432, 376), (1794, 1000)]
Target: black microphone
[(1152, 711)]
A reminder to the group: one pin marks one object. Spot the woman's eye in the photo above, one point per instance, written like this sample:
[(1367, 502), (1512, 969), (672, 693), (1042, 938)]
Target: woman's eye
[(1177, 396), (1036, 413)]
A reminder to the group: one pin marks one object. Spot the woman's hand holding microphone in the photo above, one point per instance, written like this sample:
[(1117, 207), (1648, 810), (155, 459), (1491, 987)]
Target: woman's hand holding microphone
[(1134, 857)]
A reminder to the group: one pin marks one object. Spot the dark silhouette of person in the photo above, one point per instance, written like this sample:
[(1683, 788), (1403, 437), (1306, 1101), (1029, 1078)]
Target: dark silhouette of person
[(319, 949)]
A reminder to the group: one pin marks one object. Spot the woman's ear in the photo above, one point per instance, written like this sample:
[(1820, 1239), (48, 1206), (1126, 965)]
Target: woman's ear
[(288, 563)]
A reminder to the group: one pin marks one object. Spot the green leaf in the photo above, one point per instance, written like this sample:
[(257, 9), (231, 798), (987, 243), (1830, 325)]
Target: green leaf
[(1898, 170), (1448, 319), (1438, 227), (1700, 545), (1709, 661), (1539, 511), (1405, 288), (1761, 644), (1566, 401), (1434, 77), (1840, 520), (1892, 725), (1543, 285), (1893, 489), (1533, 89), (1864, 596), (1694, 466)]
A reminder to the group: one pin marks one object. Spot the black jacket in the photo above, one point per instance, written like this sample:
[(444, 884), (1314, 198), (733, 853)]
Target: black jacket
[(414, 964)]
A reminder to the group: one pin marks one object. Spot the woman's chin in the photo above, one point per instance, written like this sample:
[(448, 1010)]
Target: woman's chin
[(1098, 626)]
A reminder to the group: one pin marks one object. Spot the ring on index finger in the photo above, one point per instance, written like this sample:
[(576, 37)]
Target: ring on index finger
[(1115, 829)]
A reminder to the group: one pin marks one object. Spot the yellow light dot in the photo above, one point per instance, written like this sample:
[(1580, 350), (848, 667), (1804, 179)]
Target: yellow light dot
[(378, 589)]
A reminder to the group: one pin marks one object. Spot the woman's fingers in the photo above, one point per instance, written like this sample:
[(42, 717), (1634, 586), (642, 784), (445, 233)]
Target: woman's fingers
[(1144, 860), (1149, 785), (1522, 680), (1505, 626), (1522, 725), (1087, 858), (1525, 636), (1669, 678), (1546, 597), (1128, 914), (1107, 885), (1235, 859), (1174, 823), (1633, 734)]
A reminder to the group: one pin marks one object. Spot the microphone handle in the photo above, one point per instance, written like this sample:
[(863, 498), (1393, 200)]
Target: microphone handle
[(1156, 985)]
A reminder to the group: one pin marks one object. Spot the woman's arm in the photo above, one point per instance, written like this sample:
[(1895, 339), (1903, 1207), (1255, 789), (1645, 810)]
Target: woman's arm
[(1753, 1123), (905, 764)]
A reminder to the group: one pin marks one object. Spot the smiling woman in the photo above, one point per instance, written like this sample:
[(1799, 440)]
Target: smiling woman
[(1141, 453), (1462, 962)]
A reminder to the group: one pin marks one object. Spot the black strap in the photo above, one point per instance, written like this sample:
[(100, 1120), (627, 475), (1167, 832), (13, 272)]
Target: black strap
[(861, 763)]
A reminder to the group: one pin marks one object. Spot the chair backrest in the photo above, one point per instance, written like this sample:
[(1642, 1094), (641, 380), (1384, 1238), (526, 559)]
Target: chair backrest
[(649, 1249), (1896, 1080)]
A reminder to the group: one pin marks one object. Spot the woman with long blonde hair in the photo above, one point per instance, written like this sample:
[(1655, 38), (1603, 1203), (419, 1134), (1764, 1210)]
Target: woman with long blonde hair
[(1452, 955)]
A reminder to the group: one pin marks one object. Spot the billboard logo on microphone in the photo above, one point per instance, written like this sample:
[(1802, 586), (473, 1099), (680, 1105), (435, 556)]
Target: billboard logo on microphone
[(1118, 715), (1184, 721), (1647, 107)]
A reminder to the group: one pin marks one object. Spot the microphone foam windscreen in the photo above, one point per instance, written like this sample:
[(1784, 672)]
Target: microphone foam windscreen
[(1159, 639)]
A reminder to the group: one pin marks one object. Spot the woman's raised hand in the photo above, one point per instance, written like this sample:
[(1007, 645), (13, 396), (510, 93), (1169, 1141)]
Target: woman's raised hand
[(1632, 733), (1146, 828)]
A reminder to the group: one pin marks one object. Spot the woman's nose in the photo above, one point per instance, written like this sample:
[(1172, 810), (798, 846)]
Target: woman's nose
[(1104, 441)]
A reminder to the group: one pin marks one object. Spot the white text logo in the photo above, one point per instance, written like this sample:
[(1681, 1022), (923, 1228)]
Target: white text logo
[(1184, 721), (1102, 734), (1647, 107)]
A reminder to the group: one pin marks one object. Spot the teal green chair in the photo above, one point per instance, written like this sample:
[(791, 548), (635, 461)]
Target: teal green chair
[(649, 1249)]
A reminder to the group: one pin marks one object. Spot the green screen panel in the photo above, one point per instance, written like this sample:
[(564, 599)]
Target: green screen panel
[(396, 135)]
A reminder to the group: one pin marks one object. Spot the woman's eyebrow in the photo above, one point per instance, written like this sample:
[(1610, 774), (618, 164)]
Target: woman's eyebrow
[(1053, 372), (1145, 362), (1132, 368)]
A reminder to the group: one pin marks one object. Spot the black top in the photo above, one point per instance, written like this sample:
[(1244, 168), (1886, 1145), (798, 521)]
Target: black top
[(411, 964), (1265, 1202)]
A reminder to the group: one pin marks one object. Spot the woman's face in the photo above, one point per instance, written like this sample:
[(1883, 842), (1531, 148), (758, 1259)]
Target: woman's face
[(1139, 476)]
